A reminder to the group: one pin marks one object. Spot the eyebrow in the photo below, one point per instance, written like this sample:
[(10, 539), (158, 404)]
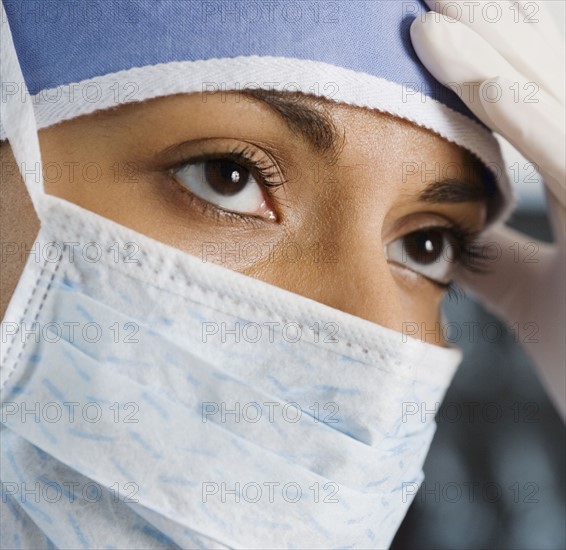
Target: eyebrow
[(306, 116), (451, 191), (454, 191)]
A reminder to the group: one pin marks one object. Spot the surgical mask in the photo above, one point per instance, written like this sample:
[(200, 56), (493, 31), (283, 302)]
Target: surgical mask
[(150, 400)]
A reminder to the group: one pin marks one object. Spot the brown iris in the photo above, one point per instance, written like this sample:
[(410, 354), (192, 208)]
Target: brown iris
[(424, 247), (225, 177)]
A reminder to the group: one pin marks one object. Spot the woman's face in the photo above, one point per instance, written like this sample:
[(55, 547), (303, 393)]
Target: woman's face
[(342, 205)]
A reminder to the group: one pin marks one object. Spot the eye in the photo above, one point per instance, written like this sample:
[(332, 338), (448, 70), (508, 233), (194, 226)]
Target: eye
[(228, 184), (429, 252)]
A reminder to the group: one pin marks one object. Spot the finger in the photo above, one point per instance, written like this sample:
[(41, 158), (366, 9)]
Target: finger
[(536, 129), (525, 287), (533, 122), (522, 33), (504, 251), (525, 19), (454, 52), (534, 12), (459, 58)]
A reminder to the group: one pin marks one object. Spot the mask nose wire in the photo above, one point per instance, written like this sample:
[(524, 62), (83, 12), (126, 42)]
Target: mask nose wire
[(18, 117)]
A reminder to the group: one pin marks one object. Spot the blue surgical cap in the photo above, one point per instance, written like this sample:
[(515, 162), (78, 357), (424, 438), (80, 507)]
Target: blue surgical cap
[(79, 56)]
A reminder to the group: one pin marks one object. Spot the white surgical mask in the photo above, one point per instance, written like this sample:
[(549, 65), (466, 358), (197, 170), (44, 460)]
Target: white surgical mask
[(146, 392), (150, 400)]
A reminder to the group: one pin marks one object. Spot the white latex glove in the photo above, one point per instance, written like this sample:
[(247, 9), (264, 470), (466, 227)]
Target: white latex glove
[(506, 57)]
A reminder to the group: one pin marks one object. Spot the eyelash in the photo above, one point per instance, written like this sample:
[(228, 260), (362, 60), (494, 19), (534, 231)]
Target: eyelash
[(263, 170), (468, 252), (469, 255)]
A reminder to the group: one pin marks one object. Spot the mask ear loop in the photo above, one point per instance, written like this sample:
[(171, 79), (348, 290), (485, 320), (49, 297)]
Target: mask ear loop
[(18, 117)]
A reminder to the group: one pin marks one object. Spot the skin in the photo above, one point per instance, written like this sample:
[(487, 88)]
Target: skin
[(347, 204)]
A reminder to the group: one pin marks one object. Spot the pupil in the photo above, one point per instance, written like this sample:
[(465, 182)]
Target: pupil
[(424, 247), (225, 177)]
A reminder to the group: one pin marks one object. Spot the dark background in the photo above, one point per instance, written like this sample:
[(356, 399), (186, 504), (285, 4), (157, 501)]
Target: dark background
[(496, 473)]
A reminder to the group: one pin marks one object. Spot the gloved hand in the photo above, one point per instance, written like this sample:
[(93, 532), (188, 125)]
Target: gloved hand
[(504, 52)]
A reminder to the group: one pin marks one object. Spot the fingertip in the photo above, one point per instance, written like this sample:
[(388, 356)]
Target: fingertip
[(435, 25), (424, 26), (416, 28)]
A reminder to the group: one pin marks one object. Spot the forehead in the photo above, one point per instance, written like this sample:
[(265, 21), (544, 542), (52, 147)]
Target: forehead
[(406, 159), (333, 127), (361, 153), (335, 132)]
